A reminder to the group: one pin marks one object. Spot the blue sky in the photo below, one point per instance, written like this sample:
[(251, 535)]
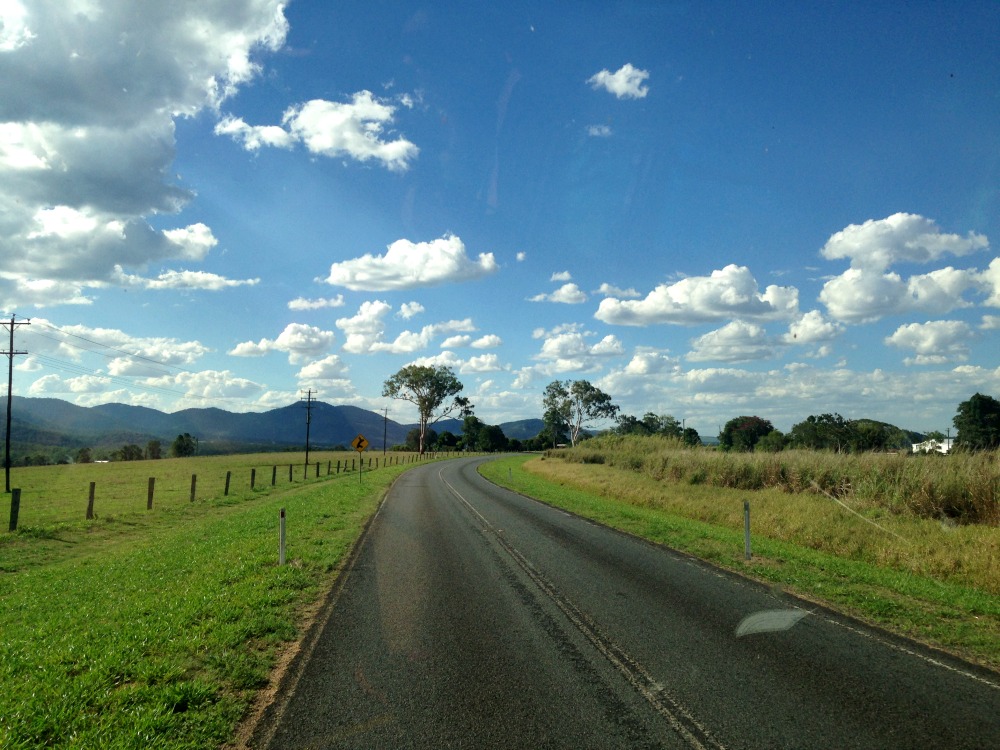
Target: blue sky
[(705, 209)]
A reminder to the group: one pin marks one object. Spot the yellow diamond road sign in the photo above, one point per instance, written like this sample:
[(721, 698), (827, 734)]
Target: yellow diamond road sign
[(359, 443)]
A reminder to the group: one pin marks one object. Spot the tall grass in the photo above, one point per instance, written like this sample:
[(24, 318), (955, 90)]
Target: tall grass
[(961, 487)]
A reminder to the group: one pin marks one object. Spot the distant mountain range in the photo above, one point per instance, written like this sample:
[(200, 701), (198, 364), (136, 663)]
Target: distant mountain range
[(43, 424)]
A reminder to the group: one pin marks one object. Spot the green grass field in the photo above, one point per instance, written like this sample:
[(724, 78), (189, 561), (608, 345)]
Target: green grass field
[(157, 629), (936, 582)]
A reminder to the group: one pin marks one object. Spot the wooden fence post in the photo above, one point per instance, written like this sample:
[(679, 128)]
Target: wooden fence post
[(274, 475), (90, 501), (253, 478), (229, 475), (15, 507), (194, 484), (149, 493), (289, 472)]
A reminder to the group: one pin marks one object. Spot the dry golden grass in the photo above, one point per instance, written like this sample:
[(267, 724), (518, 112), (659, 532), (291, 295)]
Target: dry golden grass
[(964, 554)]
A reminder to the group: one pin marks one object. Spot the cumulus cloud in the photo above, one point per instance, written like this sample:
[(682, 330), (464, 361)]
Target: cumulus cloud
[(567, 294), (859, 295), (628, 82), (878, 244), (934, 342), (812, 328), (301, 303), (609, 290), (189, 280), (408, 265), (728, 293), (329, 368), (410, 309), (128, 354), (409, 342), (570, 350), (489, 341), (365, 327), (82, 167), (353, 129), (301, 342), (869, 290), (737, 341)]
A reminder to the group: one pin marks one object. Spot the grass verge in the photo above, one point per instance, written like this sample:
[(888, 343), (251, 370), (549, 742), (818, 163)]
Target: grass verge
[(811, 547), (157, 631)]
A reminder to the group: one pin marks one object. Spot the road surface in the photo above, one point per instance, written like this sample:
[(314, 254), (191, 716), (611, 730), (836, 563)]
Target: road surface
[(472, 617)]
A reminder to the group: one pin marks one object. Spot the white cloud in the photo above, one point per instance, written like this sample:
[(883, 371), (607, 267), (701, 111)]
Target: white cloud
[(301, 303), (354, 129), (408, 265), (521, 256), (625, 83), (878, 244), (83, 166), (989, 283), (328, 368), (609, 290), (599, 131), (570, 351), (456, 342), (727, 293), (410, 309), (365, 328), (487, 342), (934, 342), (561, 276), (990, 323), (187, 280), (301, 342), (861, 295), (737, 341), (567, 294), (812, 328)]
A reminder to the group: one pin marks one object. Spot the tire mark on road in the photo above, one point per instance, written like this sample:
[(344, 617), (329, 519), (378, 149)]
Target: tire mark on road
[(678, 717)]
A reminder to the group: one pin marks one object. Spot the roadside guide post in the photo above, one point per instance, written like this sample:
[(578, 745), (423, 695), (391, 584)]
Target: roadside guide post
[(746, 530), (359, 444)]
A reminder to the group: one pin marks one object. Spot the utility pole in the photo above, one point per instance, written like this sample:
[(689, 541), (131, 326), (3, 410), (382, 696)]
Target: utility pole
[(10, 392), (309, 401)]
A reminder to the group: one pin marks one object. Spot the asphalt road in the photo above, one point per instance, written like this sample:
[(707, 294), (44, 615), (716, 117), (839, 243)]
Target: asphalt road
[(472, 617)]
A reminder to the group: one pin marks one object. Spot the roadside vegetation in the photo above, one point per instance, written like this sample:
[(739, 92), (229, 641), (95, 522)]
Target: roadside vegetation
[(157, 629), (837, 529), (958, 488)]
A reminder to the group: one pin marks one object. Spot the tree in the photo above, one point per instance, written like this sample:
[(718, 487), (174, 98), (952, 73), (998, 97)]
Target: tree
[(491, 439), (129, 452), (691, 437), (183, 445), (978, 423), (822, 432), (154, 449), (428, 388), (772, 442), (447, 440), (83, 456), (573, 404), (651, 424), (742, 433)]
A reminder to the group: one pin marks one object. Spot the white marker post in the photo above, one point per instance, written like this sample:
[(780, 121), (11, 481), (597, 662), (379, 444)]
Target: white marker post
[(281, 537), (746, 529)]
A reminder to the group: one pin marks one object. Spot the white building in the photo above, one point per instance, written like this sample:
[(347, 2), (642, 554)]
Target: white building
[(931, 446)]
